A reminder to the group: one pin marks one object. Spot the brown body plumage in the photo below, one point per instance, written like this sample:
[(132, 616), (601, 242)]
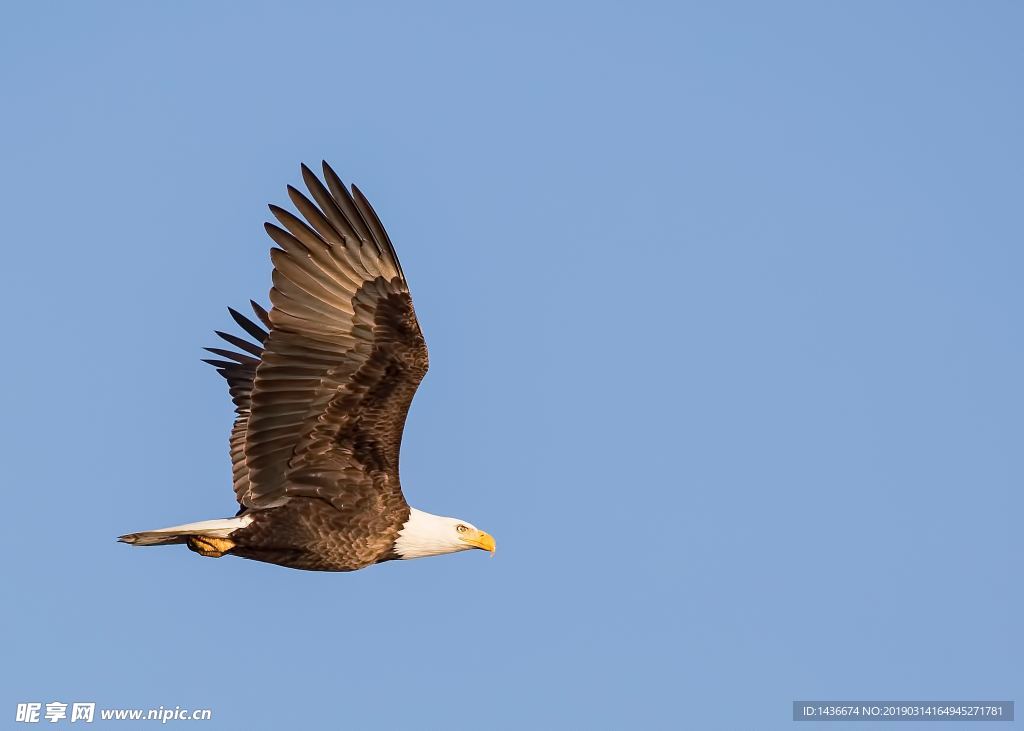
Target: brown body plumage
[(322, 394)]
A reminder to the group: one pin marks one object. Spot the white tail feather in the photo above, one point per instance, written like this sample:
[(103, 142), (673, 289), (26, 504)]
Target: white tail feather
[(221, 528)]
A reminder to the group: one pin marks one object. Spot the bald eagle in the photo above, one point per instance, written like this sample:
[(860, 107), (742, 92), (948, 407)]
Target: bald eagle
[(321, 398)]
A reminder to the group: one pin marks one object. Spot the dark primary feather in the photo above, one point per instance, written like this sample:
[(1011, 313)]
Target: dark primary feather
[(240, 371), (322, 400), (250, 327), (240, 343)]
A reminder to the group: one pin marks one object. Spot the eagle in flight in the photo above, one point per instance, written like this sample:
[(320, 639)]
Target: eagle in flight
[(321, 398)]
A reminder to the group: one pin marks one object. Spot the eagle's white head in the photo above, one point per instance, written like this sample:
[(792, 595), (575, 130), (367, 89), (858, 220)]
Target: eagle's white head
[(432, 535)]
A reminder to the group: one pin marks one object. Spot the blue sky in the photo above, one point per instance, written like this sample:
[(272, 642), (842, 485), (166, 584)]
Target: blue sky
[(723, 303)]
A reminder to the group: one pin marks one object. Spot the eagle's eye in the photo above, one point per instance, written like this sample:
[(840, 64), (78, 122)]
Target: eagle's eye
[(461, 528)]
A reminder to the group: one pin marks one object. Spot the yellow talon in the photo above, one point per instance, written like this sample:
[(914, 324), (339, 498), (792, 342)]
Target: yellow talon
[(210, 547)]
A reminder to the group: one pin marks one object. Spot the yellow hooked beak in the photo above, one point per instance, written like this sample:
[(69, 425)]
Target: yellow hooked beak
[(479, 539)]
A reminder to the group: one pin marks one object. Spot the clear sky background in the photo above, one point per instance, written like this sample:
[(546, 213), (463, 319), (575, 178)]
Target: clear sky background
[(724, 309)]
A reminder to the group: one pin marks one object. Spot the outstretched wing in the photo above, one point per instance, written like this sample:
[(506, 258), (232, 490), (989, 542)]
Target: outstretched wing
[(239, 369), (342, 361)]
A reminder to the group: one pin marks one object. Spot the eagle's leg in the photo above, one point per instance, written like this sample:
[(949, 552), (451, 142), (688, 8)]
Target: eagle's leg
[(209, 546)]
